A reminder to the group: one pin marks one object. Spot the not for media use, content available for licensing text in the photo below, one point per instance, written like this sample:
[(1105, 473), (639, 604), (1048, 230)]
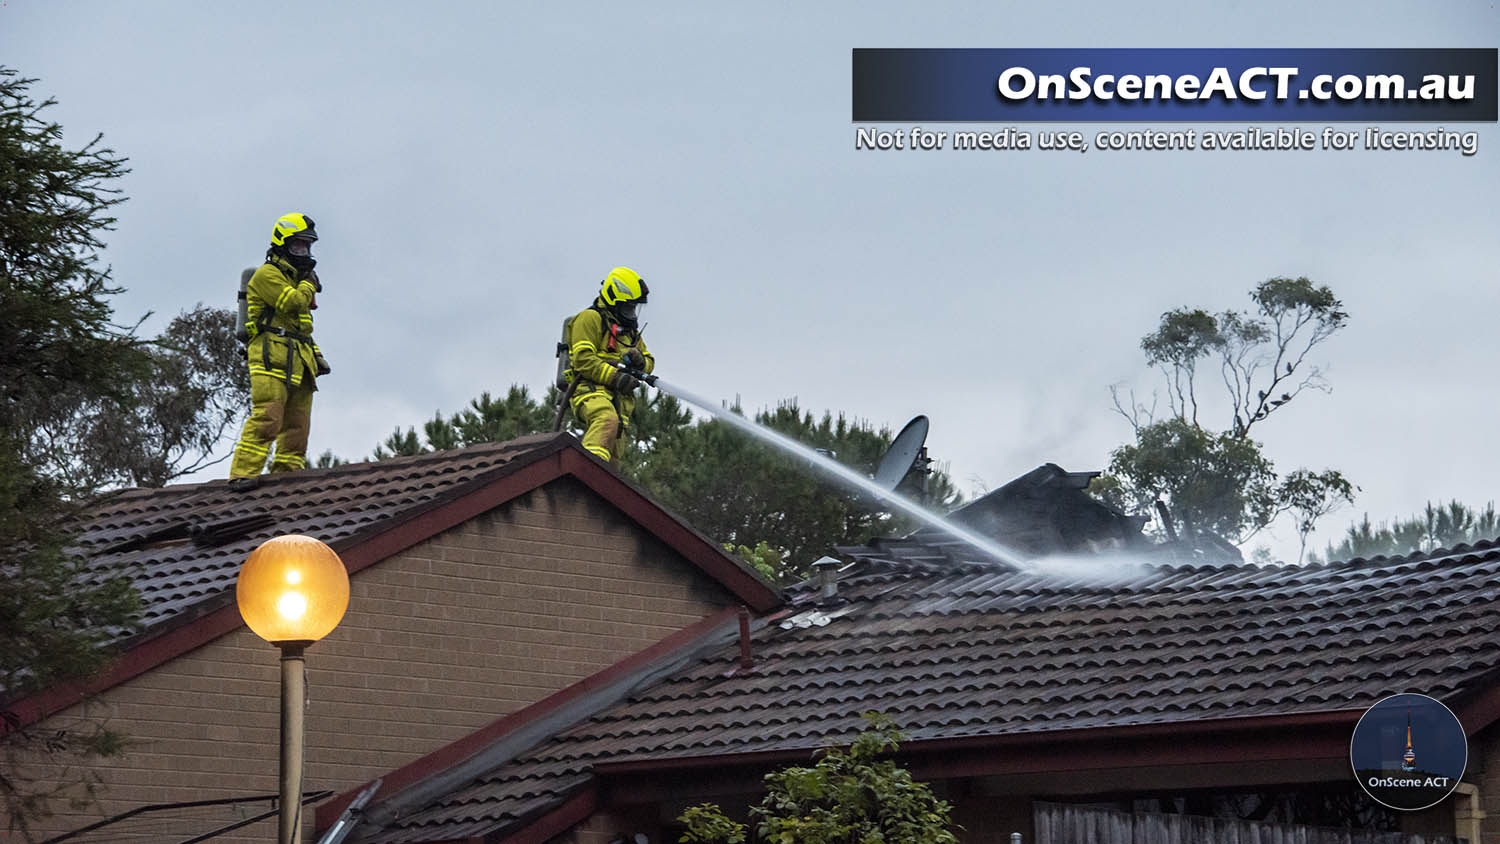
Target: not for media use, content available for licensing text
[(1111, 140)]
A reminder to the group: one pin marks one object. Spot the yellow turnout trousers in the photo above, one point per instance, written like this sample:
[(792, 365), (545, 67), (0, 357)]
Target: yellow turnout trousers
[(595, 408), (281, 415)]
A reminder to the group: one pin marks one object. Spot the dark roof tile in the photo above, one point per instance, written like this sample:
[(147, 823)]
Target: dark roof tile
[(147, 534), (969, 650)]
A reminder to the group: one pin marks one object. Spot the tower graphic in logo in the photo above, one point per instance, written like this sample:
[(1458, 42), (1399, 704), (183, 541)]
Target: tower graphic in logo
[(1409, 760), (1387, 768)]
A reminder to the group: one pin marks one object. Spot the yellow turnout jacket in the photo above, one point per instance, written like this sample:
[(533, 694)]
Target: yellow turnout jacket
[(281, 325), (595, 345)]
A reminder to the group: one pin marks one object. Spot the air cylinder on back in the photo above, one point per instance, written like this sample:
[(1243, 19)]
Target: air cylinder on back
[(242, 328)]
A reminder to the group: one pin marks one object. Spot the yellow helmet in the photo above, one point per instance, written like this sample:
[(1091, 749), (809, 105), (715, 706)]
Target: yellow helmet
[(292, 239), (293, 225), (623, 286)]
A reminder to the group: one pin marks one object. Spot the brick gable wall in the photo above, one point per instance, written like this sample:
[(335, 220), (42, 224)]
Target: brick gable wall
[(475, 623)]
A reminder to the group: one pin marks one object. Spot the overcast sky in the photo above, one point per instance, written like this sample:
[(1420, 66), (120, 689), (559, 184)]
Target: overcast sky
[(475, 169)]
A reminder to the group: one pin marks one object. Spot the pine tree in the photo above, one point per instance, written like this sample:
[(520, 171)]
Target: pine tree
[(59, 353)]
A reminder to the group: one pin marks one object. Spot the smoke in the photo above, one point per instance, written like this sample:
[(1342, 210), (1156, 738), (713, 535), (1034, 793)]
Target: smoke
[(1103, 569), (843, 473)]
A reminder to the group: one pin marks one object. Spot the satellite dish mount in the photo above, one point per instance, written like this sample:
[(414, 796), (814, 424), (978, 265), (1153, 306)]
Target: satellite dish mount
[(908, 453)]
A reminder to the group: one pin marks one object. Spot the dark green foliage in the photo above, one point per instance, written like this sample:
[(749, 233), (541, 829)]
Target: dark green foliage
[(1309, 496), (53, 611), (192, 392), (400, 445), (59, 346), (707, 824), (741, 491), (763, 558), (1182, 339), (54, 618), (1261, 354), (1217, 484), (176, 397), (738, 491), (656, 425), (485, 420), (1437, 526), (488, 420), (91, 404), (852, 796), (59, 353)]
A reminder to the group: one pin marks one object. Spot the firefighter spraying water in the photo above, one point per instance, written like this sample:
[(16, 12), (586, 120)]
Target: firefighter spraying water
[(602, 359), (833, 468)]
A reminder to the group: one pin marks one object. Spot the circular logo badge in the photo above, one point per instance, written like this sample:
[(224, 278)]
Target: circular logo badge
[(1408, 752)]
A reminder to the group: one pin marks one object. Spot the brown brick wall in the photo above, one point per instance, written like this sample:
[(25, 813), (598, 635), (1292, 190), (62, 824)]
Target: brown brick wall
[(444, 638), (1484, 771)]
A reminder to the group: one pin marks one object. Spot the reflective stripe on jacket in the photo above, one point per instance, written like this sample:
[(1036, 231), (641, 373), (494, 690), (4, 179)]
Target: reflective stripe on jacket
[(280, 324), (592, 358)]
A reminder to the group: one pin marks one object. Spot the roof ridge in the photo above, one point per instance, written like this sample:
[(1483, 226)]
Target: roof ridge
[(515, 443), (941, 565), (440, 454), (1460, 549)]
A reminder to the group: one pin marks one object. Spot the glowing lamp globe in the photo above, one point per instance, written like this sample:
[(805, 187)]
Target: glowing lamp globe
[(292, 589)]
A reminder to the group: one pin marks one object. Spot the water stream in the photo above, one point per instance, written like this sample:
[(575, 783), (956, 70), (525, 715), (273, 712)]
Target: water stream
[(854, 479)]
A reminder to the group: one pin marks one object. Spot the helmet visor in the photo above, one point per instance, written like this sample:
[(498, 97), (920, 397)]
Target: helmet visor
[(300, 247), (630, 311)]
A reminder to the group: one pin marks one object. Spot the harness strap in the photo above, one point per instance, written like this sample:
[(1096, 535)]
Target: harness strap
[(289, 335)]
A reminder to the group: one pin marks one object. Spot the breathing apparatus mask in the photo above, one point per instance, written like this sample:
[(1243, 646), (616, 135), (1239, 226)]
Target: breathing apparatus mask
[(628, 314)]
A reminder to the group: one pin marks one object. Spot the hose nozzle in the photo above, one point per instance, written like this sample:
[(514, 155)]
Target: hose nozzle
[(636, 374)]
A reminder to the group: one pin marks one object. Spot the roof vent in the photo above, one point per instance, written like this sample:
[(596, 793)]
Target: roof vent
[(827, 569), (211, 534), (203, 534)]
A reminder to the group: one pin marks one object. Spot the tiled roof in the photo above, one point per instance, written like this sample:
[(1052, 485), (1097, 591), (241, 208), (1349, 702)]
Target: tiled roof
[(182, 546), (954, 651)]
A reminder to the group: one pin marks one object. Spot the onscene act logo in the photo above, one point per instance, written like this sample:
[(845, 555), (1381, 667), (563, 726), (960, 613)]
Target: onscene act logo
[(1408, 752)]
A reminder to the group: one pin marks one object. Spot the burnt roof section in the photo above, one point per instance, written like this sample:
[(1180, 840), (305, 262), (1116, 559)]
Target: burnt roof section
[(1045, 511), (963, 651)]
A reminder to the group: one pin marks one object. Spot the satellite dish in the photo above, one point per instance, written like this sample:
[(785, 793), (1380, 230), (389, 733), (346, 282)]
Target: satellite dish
[(906, 451)]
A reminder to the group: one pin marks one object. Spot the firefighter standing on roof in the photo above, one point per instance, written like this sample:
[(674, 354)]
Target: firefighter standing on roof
[(284, 360), (608, 333)]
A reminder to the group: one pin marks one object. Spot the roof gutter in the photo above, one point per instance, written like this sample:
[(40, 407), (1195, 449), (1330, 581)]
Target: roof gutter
[(1103, 737), (957, 754)]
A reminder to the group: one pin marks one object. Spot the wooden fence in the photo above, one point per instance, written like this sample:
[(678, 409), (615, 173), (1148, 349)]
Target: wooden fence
[(1058, 823)]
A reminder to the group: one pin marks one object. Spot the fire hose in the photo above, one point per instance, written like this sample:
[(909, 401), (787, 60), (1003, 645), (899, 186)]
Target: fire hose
[(567, 397)]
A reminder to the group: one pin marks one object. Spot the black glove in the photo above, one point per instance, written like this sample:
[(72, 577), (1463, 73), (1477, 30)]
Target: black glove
[(323, 367), (634, 359), (313, 277), (623, 382)]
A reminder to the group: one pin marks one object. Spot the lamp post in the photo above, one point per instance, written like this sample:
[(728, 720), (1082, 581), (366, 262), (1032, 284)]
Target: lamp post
[(292, 591)]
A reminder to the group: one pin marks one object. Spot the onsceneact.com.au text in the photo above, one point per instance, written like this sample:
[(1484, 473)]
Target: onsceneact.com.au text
[(1253, 83)]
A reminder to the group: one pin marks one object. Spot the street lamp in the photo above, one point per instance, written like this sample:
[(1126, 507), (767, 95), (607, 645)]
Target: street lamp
[(292, 591)]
